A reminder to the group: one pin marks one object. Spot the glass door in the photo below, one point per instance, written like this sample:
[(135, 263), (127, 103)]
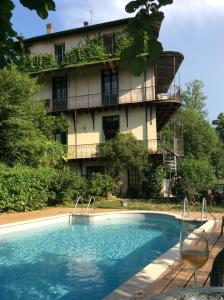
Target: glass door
[(109, 87), (59, 93)]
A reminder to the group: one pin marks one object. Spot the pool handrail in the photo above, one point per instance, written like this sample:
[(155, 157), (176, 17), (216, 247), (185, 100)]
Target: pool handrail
[(90, 201), (76, 204)]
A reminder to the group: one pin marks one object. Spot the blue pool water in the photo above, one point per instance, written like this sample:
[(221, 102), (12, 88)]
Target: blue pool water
[(80, 261)]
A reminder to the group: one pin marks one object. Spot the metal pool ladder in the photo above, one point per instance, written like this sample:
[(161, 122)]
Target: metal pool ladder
[(204, 209), (185, 208), (78, 199), (91, 199), (83, 212)]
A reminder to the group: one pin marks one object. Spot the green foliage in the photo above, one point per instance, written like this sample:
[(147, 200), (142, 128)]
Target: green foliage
[(24, 188), (200, 139), (36, 63), (196, 176), (101, 185), (90, 51), (25, 128), (8, 52), (153, 179), (219, 126), (193, 97), (217, 160), (123, 152), (65, 186), (144, 30), (41, 6)]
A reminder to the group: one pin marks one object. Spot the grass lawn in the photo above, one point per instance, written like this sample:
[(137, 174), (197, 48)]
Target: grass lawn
[(162, 205)]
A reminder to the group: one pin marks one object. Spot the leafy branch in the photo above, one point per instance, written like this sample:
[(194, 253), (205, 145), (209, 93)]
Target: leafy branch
[(144, 31)]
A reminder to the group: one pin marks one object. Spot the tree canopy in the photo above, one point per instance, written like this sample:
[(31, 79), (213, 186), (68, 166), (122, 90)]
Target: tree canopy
[(193, 97), (219, 126), (144, 30), (8, 35), (123, 152), (25, 127)]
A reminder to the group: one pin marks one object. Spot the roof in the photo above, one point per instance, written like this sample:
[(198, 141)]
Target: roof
[(82, 29)]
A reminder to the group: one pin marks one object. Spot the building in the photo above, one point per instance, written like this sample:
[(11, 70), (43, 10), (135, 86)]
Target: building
[(82, 76)]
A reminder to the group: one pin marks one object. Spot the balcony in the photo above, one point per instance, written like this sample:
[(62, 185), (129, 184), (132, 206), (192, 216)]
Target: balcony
[(154, 146), (123, 97)]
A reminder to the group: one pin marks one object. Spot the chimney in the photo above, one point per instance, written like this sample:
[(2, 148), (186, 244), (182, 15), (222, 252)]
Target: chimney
[(86, 23), (49, 28)]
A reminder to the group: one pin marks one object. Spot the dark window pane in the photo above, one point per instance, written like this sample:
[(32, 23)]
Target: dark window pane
[(59, 53), (111, 127), (109, 87), (61, 137), (109, 43), (59, 93)]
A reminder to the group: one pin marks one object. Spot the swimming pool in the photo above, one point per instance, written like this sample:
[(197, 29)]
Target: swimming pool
[(86, 260)]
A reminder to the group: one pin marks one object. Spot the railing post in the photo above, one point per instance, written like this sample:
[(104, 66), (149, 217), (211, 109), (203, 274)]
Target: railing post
[(185, 208), (204, 209)]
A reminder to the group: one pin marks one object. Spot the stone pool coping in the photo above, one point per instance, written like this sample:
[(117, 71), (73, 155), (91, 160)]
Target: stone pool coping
[(137, 284)]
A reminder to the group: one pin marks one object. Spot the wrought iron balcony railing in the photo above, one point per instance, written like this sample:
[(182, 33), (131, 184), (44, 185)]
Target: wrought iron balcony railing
[(144, 94), (90, 150)]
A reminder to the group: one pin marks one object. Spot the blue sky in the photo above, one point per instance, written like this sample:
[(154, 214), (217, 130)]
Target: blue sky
[(195, 29)]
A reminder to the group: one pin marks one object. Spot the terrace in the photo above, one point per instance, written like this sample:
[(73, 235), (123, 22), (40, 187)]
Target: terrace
[(154, 146)]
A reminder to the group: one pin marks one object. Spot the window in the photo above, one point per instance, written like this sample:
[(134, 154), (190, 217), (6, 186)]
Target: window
[(61, 137), (109, 43), (93, 170), (59, 52), (111, 126), (59, 93), (109, 87)]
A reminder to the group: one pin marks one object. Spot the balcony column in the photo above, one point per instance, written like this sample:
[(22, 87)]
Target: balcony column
[(151, 128)]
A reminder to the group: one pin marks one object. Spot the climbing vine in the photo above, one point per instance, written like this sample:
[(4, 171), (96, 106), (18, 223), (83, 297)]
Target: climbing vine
[(90, 51)]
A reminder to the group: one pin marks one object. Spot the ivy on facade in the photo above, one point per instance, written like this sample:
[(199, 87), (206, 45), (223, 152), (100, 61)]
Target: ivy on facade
[(91, 51)]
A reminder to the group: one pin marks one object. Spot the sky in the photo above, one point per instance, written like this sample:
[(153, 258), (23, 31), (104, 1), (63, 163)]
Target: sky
[(192, 27)]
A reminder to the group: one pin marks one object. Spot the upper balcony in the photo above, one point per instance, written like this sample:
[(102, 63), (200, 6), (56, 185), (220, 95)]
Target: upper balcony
[(167, 100)]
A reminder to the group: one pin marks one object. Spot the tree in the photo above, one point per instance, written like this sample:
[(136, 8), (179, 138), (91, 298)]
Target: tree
[(8, 54), (193, 97), (217, 160), (123, 152), (200, 139), (144, 31), (195, 177), (25, 127), (219, 126), (153, 179)]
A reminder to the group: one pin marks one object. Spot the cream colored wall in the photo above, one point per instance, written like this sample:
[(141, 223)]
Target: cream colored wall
[(85, 134), (47, 46), (87, 81)]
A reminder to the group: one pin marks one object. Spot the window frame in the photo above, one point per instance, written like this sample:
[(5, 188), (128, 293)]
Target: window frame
[(56, 52), (112, 97), (109, 43), (105, 137)]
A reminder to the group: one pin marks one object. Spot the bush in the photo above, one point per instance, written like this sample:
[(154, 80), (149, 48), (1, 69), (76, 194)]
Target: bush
[(24, 188), (196, 176), (65, 186), (101, 185), (153, 179)]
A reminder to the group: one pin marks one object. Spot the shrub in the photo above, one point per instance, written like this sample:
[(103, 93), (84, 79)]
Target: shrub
[(66, 186), (196, 176), (24, 188), (123, 152), (101, 185), (153, 179)]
